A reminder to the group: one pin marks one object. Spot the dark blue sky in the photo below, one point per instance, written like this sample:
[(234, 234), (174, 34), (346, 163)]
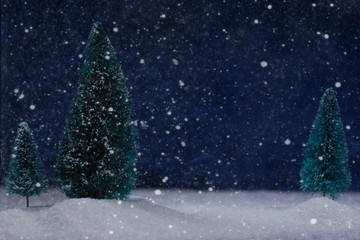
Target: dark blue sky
[(224, 92)]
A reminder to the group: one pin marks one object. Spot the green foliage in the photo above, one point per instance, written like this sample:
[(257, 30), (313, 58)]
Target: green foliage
[(26, 171), (98, 152), (326, 168)]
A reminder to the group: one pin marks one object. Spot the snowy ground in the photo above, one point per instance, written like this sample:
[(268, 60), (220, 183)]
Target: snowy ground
[(182, 214)]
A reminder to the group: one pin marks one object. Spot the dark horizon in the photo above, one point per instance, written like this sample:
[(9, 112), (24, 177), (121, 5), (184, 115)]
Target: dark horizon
[(224, 93)]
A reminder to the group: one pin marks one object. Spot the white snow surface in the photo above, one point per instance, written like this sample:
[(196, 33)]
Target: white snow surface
[(182, 214)]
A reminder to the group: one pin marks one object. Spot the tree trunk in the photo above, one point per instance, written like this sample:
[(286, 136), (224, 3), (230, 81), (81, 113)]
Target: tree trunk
[(27, 201)]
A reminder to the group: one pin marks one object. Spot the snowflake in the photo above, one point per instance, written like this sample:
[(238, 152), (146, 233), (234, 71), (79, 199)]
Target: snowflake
[(264, 64), (175, 62)]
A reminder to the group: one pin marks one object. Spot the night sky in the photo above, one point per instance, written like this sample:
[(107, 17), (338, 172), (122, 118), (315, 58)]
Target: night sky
[(225, 92)]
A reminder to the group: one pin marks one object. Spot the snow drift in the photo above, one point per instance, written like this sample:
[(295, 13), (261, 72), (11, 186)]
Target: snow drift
[(190, 216)]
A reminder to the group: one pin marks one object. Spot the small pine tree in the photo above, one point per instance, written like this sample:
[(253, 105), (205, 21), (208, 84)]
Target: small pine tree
[(26, 171), (326, 168), (98, 151)]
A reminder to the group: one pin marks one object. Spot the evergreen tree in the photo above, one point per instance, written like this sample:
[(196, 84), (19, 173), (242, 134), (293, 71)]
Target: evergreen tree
[(26, 171), (326, 168), (98, 152)]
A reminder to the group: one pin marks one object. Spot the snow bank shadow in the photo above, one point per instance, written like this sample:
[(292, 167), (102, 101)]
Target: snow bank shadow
[(38, 208), (153, 208)]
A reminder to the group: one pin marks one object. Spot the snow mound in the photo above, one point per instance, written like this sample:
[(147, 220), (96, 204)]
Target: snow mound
[(326, 216), (94, 219), (182, 216), (323, 207)]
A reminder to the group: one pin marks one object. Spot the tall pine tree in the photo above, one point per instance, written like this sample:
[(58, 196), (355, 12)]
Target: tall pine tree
[(326, 168), (26, 171), (98, 152)]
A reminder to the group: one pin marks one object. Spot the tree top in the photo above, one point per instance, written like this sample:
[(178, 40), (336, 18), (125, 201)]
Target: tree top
[(24, 125)]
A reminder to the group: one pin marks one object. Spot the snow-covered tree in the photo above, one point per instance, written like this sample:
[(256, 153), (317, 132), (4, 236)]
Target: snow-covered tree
[(26, 171), (326, 168), (98, 151)]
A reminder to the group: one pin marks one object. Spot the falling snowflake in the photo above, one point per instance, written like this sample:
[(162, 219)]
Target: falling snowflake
[(264, 64), (157, 192), (287, 142), (338, 84), (32, 107), (313, 221), (175, 61)]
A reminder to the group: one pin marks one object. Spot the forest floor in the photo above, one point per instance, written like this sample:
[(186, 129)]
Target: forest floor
[(151, 214)]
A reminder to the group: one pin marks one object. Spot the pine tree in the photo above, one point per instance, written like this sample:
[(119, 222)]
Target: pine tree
[(326, 168), (98, 152), (26, 171)]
